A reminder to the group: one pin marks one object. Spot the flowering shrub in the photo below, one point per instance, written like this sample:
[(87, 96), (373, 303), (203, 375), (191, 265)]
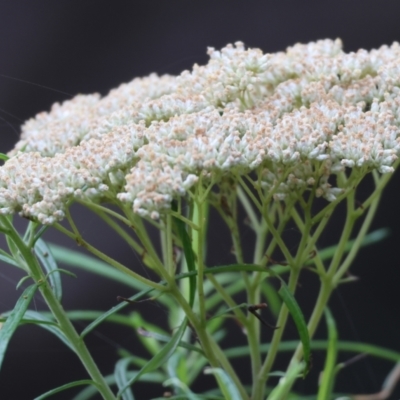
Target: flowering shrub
[(265, 133)]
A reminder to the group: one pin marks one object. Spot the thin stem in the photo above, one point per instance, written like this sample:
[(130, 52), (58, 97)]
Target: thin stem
[(60, 315), (357, 243), (198, 216), (261, 378), (107, 259), (228, 299), (214, 354)]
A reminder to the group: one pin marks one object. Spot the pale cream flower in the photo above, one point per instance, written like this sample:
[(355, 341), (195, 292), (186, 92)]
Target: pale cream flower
[(295, 117)]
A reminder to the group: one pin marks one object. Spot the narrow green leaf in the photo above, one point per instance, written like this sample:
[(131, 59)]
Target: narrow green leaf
[(15, 254), (21, 281), (121, 379), (226, 384), (64, 271), (65, 387), (48, 324), (87, 263), (140, 324), (271, 295), (49, 263), (328, 374), (36, 318), (166, 339), (227, 310), (285, 384), (4, 157), (188, 394), (113, 310), (90, 391), (159, 359), (371, 238), (7, 258), (14, 319), (346, 346), (299, 320), (189, 255)]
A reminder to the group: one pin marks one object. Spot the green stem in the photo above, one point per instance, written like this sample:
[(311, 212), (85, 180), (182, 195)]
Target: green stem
[(60, 315), (213, 352), (262, 377), (198, 247), (107, 259)]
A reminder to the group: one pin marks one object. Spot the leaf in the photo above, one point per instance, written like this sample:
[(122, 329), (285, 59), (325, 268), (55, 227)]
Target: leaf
[(189, 255), (14, 319), (4, 157), (91, 391), (36, 318), (65, 387), (49, 263), (113, 310), (328, 374), (371, 238), (15, 253), (7, 258), (121, 379), (48, 324), (285, 384), (159, 359), (87, 263), (227, 311), (300, 322), (164, 338), (226, 384), (188, 394)]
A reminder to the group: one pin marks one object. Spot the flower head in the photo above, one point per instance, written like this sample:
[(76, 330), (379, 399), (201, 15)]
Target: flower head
[(296, 118)]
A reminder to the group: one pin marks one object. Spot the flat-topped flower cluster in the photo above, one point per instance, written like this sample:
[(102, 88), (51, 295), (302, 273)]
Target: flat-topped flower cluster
[(296, 118)]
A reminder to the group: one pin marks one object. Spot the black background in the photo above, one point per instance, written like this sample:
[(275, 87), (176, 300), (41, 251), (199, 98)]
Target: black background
[(50, 50)]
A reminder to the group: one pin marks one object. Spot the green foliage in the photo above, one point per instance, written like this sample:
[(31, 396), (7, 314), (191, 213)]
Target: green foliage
[(201, 300), (14, 319)]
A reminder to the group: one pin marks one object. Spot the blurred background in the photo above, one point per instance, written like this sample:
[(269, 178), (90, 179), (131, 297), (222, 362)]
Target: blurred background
[(52, 50)]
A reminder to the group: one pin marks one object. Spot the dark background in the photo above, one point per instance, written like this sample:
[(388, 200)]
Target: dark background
[(50, 50)]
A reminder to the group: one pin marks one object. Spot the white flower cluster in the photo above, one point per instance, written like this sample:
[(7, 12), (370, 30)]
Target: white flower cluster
[(296, 117)]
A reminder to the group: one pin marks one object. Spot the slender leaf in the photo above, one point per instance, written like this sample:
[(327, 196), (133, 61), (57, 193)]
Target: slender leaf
[(166, 339), (227, 310), (213, 270), (15, 253), (113, 310), (189, 395), (4, 157), (65, 387), (140, 324), (48, 324), (328, 375), (50, 265), (371, 238), (346, 346), (226, 384), (36, 318), (90, 391), (14, 319), (189, 255), (22, 280), (285, 384), (87, 263), (159, 359), (7, 258), (272, 298), (299, 320), (121, 378)]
